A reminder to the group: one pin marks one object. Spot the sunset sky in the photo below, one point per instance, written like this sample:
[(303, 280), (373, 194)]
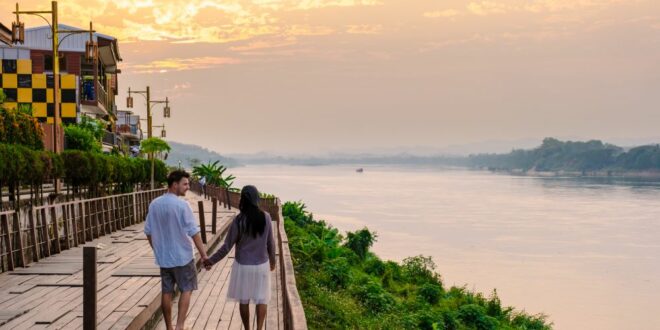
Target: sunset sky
[(315, 76)]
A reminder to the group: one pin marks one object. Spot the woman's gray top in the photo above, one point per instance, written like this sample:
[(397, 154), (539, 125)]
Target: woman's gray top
[(249, 250)]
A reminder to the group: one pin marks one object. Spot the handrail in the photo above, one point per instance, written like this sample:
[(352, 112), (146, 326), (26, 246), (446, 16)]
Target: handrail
[(48, 229)]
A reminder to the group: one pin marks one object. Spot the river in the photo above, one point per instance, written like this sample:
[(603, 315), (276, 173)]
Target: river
[(586, 252)]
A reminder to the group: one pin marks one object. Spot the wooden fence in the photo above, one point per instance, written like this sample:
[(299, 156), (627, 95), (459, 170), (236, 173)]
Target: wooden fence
[(38, 232), (294, 315)]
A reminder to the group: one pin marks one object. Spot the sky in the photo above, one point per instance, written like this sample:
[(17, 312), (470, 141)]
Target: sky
[(317, 76)]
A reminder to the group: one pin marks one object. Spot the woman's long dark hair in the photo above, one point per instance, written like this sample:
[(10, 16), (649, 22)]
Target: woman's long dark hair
[(253, 220)]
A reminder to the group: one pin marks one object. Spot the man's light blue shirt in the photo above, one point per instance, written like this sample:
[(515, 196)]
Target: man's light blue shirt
[(171, 224)]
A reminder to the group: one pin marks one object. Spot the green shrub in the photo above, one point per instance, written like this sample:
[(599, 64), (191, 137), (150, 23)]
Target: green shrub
[(80, 138), (430, 293), (475, 316), (340, 290), (17, 127), (374, 298), (78, 168), (360, 241)]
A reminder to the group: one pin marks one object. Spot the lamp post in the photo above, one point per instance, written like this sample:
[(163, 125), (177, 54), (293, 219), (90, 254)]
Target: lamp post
[(147, 95), (91, 49)]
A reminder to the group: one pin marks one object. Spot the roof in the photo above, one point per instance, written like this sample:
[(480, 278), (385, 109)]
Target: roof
[(40, 38), (5, 34)]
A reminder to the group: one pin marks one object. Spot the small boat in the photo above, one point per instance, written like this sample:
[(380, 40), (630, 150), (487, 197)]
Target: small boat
[(359, 170)]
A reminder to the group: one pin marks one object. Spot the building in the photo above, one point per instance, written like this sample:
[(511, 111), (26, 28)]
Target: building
[(88, 87), (129, 130)]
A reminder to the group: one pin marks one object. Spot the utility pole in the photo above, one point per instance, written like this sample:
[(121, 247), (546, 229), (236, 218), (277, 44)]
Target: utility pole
[(147, 95)]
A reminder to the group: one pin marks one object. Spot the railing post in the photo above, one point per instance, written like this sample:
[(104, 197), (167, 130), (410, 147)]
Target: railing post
[(116, 213), (89, 287), (56, 229), (19, 241), (83, 224), (214, 214), (135, 214), (45, 233), (33, 235), (228, 199), (202, 223), (4, 223), (107, 215), (74, 223), (65, 222)]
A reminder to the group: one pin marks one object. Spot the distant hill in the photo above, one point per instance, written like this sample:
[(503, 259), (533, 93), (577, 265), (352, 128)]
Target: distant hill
[(189, 153), (573, 156)]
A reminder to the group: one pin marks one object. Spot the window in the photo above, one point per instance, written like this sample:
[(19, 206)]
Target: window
[(48, 63)]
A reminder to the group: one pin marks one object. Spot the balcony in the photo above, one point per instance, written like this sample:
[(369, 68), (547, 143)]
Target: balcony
[(94, 98), (110, 139)]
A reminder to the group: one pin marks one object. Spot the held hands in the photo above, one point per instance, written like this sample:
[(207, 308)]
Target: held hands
[(207, 262)]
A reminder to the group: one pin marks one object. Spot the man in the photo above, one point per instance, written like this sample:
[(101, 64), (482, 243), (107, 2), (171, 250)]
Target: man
[(169, 229)]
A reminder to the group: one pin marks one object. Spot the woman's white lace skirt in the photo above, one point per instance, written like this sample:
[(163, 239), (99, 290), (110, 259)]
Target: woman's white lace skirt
[(249, 283)]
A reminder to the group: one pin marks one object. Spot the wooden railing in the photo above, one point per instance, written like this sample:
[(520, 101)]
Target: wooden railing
[(29, 235), (293, 313)]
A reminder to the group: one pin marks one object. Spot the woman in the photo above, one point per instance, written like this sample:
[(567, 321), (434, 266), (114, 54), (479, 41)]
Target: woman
[(252, 233)]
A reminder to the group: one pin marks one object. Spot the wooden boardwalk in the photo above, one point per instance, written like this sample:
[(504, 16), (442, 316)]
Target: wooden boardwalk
[(48, 293), (209, 308)]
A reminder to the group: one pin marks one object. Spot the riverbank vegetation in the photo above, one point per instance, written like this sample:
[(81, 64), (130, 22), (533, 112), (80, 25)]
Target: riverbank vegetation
[(554, 155), (343, 285)]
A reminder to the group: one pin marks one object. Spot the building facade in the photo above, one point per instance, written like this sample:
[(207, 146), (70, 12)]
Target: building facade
[(87, 87)]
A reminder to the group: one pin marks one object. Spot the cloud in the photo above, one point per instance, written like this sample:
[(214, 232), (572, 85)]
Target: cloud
[(484, 8), (442, 13), (264, 44), (364, 29), (314, 4), (308, 30), (489, 7), (181, 64)]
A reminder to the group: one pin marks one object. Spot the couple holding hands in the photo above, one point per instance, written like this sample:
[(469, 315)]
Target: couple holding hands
[(171, 225)]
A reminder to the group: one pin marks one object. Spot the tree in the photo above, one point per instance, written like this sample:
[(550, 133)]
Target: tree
[(214, 174), (19, 127), (360, 241), (79, 138), (152, 146)]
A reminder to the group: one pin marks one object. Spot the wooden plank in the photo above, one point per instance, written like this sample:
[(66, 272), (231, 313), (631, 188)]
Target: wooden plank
[(33, 235), (84, 215), (74, 224), (216, 281), (19, 240), (65, 225), (106, 208), (9, 315), (4, 222), (23, 288), (51, 315), (109, 259), (56, 230), (272, 315), (45, 232)]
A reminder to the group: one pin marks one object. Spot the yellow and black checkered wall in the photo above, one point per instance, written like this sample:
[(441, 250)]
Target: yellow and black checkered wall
[(21, 86)]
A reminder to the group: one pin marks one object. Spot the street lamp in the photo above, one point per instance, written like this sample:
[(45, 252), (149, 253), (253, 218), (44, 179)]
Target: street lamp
[(91, 49), (18, 36), (147, 95)]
